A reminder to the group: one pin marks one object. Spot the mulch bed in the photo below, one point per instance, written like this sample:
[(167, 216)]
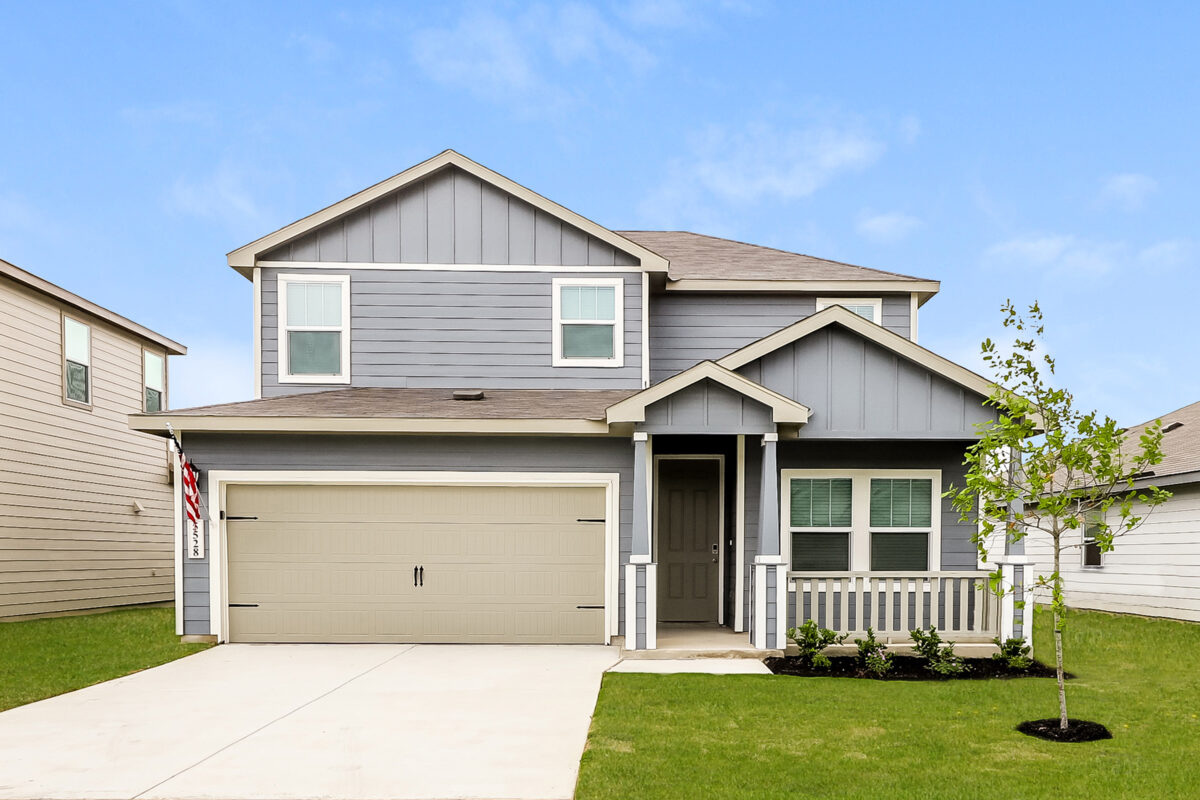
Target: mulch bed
[(907, 668), (1078, 730)]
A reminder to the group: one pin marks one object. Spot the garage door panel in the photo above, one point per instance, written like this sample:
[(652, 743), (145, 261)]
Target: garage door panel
[(335, 564)]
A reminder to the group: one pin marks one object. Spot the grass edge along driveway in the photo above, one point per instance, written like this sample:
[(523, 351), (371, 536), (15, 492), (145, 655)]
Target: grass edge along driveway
[(767, 736), (40, 658)]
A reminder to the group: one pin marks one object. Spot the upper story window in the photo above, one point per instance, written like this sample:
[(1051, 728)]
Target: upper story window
[(588, 322), (879, 520), (314, 328), (77, 362), (154, 381), (870, 308)]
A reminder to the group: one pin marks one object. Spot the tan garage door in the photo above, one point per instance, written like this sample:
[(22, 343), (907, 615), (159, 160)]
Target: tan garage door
[(321, 563)]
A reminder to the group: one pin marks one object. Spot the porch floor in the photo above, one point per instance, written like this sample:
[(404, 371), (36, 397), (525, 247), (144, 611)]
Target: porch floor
[(683, 640)]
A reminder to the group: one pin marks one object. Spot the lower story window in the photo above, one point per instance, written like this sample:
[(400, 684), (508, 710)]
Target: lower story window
[(1092, 557), (878, 520)]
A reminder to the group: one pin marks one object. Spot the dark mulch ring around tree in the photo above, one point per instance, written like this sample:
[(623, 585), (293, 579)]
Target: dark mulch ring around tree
[(906, 668), (1078, 730)]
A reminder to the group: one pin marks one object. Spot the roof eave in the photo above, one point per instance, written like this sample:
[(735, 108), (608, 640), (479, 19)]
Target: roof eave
[(923, 289), (160, 424)]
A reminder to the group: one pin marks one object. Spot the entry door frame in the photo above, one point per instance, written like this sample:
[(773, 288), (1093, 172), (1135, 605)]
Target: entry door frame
[(220, 480), (720, 459)]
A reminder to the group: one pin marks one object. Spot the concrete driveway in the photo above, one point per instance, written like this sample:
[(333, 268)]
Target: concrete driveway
[(316, 721)]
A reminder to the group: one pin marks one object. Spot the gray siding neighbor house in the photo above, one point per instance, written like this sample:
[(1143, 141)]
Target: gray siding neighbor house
[(481, 417)]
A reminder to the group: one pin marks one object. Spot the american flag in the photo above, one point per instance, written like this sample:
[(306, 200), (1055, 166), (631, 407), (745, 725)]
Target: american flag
[(191, 492)]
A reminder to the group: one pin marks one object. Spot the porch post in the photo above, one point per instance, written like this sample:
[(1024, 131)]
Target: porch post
[(770, 573), (641, 576), (1015, 622)]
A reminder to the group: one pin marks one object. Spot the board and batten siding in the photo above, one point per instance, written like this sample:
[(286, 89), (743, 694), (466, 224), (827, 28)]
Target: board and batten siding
[(452, 329), (857, 389), (451, 217), (69, 537), (399, 453), (687, 328), (1153, 571)]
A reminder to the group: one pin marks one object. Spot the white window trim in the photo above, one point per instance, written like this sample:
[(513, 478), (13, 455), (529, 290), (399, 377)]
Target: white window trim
[(618, 323), (90, 372), (283, 327), (1083, 541), (876, 302), (860, 512), (161, 354)]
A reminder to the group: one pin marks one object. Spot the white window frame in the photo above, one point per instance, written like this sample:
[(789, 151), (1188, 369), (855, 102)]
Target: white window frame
[(282, 282), (1083, 542), (145, 385), (860, 512), (618, 323), (876, 302), (90, 374)]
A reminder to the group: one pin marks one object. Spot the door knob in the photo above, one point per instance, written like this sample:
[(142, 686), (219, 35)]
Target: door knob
[(716, 553)]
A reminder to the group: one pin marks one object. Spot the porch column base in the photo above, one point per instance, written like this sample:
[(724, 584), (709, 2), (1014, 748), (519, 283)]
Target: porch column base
[(1016, 617), (641, 606), (769, 603)]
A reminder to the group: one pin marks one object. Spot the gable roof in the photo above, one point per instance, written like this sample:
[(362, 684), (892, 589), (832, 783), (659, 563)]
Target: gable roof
[(60, 294), (783, 409), (836, 315), (243, 259), (1180, 445), (697, 259)]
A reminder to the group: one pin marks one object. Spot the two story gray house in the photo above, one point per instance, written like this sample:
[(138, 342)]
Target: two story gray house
[(481, 417)]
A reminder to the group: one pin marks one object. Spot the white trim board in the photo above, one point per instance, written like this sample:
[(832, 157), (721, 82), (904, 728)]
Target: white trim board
[(411, 267), (219, 480)]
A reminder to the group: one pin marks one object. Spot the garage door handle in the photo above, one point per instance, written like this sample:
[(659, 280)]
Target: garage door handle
[(591, 520), (422, 576), (414, 576), (591, 607), (243, 605)]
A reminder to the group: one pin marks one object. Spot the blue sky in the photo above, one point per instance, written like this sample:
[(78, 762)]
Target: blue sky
[(1040, 151)]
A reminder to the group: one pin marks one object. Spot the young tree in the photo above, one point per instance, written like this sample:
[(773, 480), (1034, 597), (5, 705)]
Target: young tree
[(1046, 469)]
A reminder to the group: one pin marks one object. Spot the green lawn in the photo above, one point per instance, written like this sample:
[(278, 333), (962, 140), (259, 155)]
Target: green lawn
[(758, 736), (43, 657)]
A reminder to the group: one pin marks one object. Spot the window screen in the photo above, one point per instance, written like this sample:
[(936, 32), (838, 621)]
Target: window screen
[(821, 502), (901, 502), (588, 316), (1092, 557)]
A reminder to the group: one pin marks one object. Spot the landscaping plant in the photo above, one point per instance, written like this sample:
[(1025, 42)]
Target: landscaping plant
[(939, 656), (873, 655), (1049, 470), (1014, 653), (812, 640)]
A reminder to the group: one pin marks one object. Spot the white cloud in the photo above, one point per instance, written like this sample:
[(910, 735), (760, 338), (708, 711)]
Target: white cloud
[(1057, 254), (1167, 255), (1128, 191), (757, 163), (519, 59), (682, 13), (223, 195), (213, 371), (891, 226)]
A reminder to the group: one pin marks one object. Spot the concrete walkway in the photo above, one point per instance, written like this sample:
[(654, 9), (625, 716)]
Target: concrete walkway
[(359, 722)]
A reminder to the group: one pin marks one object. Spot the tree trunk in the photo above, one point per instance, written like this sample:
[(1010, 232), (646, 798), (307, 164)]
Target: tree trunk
[(1058, 653)]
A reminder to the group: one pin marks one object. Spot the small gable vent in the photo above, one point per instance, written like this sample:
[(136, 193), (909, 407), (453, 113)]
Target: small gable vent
[(1172, 426)]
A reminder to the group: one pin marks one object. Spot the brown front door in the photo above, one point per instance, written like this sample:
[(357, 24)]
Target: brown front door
[(689, 539)]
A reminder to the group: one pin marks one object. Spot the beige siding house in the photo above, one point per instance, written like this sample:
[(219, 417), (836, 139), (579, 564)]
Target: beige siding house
[(1154, 570), (85, 503)]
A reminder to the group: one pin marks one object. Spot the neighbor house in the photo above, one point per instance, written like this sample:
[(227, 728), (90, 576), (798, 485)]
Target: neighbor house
[(85, 502), (1155, 569), (481, 417)]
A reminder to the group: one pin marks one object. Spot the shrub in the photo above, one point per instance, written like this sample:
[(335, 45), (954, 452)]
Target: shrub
[(872, 655), (812, 640), (1014, 653), (939, 656)]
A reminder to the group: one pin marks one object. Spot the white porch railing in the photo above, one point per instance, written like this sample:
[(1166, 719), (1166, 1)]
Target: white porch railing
[(958, 604)]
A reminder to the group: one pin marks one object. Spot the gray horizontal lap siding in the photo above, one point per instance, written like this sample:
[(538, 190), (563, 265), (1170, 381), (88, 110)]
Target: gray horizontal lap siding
[(687, 328), (958, 551), (330, 452), (451, 329), (451, 217)]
